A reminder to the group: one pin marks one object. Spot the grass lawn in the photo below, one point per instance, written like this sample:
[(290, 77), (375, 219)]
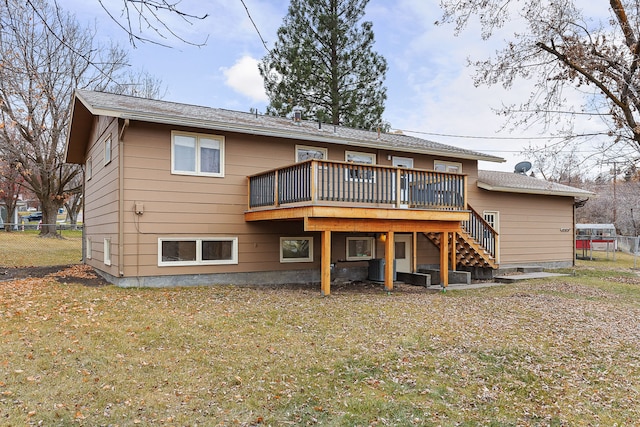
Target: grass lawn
[(547, 352), (26, 249)]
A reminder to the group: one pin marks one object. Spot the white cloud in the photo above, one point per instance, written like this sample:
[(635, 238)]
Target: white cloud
[(244, 78)]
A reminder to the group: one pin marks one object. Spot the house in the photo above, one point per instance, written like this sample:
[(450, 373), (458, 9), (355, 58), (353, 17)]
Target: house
[(182, 195)]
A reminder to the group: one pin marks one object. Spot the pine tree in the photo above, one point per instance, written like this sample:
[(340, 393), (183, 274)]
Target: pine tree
[(324, 63)]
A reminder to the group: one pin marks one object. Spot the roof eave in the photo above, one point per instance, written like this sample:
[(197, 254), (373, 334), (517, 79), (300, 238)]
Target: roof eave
[(502, 189), (262, 131)]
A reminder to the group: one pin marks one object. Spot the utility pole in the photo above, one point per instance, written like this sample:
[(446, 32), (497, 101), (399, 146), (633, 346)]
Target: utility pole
[(615, 176)]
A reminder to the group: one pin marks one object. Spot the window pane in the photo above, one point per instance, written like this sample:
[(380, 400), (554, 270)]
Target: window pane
[(366, 159), (292, 249), (400, 249), (178, 250), (213, 250), (309, 154), (107, 150), (184, 152), (209, 155), (359, 248)]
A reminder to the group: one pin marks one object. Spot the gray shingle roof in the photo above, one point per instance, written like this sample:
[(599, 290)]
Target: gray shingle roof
[(518, 183), (133, 108)]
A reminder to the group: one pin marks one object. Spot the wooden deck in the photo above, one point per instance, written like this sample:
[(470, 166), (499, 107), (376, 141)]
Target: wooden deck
[(347, 197)]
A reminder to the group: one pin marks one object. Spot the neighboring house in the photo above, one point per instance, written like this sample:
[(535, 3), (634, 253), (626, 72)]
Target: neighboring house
[(181, 195)]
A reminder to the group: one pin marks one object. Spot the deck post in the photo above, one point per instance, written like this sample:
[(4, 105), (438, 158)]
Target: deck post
[(444, 260), (453, 251), (414, 252), (325, 263), (389, 258)]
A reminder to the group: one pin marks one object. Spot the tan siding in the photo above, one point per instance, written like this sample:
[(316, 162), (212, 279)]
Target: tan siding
[(101, 195), (530, 225), (193, 206)]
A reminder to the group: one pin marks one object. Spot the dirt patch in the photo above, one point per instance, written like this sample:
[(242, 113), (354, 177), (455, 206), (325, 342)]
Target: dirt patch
[(82, 274)]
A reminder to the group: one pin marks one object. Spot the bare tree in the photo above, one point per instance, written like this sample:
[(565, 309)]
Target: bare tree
[(45, 55), (11, 183), (559, 163), (74, 201), (139, 16), (561, 49)]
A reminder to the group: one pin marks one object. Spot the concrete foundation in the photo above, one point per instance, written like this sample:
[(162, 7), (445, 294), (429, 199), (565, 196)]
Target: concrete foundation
[(251, 278), (458, 277), (418, 279)]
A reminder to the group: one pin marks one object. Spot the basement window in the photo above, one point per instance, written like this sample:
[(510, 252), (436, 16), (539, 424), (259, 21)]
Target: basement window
[(360, 248), (198, 251), (296, 249), (107, 251)]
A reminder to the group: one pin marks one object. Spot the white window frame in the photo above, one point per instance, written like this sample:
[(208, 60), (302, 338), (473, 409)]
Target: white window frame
[(198, 137), (372, 242), (107, 150), (301, 148), (443, 166), (88, 170), (199, 260), (107, 251), (87, 248), (496, 219), (305, 259), (348, 172)]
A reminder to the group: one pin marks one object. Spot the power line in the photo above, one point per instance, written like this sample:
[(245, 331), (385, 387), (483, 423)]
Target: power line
[(255, 26), (508, 138)]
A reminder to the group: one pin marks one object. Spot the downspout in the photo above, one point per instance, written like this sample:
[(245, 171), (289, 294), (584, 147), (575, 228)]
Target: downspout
[(125, 125)]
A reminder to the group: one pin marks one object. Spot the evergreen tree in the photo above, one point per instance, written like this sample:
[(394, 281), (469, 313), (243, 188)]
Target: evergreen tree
[(324, 63)]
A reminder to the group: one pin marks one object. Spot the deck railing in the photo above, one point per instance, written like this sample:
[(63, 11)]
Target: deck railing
[(318, 181), (482, 232)]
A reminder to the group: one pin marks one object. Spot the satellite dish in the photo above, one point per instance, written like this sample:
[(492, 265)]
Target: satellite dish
[(522, 167)]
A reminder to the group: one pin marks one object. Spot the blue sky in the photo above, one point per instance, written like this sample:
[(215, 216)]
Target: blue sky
[(430, 89)]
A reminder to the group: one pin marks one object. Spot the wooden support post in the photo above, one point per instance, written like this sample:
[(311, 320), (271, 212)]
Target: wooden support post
[(414, 252), (444, 260), (389, 249), (454, 249), (325, 263)]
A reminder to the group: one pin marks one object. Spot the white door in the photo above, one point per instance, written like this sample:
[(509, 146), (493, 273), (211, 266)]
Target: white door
[(404, 255), (403, 162)]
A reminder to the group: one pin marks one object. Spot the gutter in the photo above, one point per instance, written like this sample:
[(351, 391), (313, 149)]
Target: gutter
[(503, 189), (275, 132)]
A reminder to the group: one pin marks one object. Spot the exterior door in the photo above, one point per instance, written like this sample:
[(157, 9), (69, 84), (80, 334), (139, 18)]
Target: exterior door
[(493, 219), (403, 162), (404, 255)]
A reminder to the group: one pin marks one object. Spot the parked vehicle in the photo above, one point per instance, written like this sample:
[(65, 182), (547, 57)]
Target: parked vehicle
[(34, 216)]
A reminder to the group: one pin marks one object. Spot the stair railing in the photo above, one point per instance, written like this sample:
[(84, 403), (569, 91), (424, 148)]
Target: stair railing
[(482, 232)]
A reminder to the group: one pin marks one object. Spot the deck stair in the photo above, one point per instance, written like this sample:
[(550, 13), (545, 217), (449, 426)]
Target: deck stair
[(475, 245)]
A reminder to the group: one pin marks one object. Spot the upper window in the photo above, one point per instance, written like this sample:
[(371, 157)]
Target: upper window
[(88, 170), (188, 251), (107, 150), (357, 173), (310, 153), (360, 248), (197, 154), (296, 249), (442, 166)]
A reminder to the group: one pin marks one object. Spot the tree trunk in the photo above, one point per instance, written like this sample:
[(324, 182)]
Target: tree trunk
[(49, 220)]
